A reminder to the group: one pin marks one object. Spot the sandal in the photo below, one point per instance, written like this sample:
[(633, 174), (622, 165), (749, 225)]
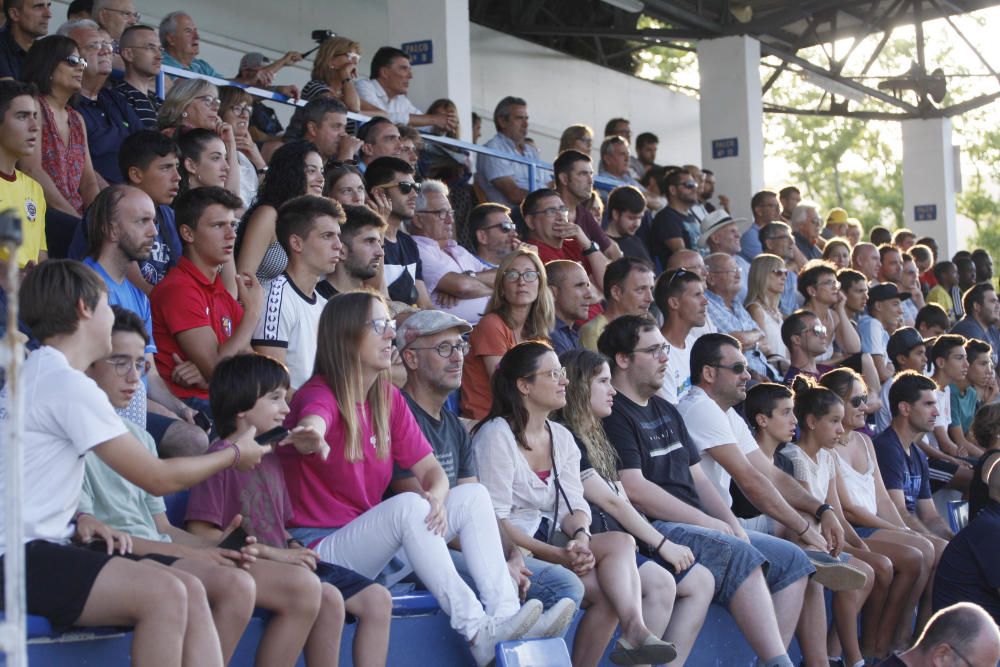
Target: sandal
[(652, 652)]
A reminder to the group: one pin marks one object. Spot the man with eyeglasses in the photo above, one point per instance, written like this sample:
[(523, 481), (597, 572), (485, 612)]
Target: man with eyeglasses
[(730, 316), (885, 315), (675, 228), (433, 350), (493, 234), (402, 266), (122, 231), (555, 237), (27, 20), (140, 51), (457, 281), (107, 115), (308, 228), (806, 222), (661, 470), (805, 337), (114, 16)]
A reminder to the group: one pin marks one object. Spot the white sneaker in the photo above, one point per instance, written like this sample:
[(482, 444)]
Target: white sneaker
[(554, 622), (483, 646)]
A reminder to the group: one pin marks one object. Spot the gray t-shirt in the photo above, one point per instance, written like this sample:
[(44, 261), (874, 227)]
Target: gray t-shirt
[(451, 442)]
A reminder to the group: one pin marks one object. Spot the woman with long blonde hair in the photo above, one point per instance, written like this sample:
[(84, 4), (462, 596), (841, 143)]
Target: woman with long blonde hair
[(520, 309), (334, 72), (765, 285), (350, 429), (589, 396)]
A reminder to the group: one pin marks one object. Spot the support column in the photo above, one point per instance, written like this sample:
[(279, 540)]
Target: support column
[(732, 116), (929, 181), (441, 30)]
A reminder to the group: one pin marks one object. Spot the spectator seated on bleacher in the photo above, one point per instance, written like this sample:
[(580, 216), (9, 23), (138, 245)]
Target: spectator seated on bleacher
[(679, 295), (675, 228), (142, 57), (574, 183), (720, 233), (962, 631), (323, 121), (255, 66), (982, 316), (62, 167), (203, 160), (458, 282), (805, 223), (820, 289), (361, 234), (947, 293), (571, 298), (379, 137), (194, 317), (19, 134), (805, 338), (616, 161), (628, 290), (410, 146), (384, 93), (107, 115), (348, 408), (25, 22), (114, 17), (776, 239), (730, 315), (234, 110), (296, 170), (625, 214), (334, 72), (493, 234), (503, 181)]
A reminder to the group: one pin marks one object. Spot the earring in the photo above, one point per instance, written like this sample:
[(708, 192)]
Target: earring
[(184, 114)]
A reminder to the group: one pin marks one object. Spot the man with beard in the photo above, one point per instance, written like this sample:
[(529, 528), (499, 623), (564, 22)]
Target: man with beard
[(308, 228), (680, 296), (574, 181), (675, 228), (493, 233), (27, 20), (122, 231), (142, 58), (982, 313), (361, 252)]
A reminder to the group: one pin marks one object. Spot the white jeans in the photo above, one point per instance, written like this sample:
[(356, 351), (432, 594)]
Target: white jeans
[(369, 542)]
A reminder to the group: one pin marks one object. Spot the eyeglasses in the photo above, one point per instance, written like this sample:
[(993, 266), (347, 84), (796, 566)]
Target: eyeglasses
[(406, 187), (656, 351), (124, 365), (441, 213), (857, 401), (336, 164), (556, 374), (739, 368), (513, 275), (447, 349), (135, 16), (98, 46), (210, 101), (505, 227), (737, 270), (152, 48), (551, 211), (379, 326), (779, 272), (690, 185), (75, 61), (241, 109)]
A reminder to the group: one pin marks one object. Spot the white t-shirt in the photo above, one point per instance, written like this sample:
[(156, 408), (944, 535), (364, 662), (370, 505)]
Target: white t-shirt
[(291, 320), (677, 381), (943, 420), (65, 415), (710, 427)]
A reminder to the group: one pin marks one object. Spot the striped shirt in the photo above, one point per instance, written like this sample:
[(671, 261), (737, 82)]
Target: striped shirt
[(146, 105)]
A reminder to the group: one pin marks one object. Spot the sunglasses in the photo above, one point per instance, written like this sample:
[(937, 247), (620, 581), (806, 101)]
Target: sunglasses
[(739, 368), (780, 272), (857, 401), (75, 61), (406, 187)]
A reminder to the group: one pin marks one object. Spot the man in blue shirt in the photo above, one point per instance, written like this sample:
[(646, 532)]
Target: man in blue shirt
[(503, 181), (982, 313), (572, 296)]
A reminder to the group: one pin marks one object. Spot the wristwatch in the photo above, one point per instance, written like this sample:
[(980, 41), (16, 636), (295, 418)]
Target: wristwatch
[(822, 508), (591, 250)]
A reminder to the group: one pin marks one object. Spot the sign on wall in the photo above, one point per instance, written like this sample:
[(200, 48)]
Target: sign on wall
[(923, 212), (421, 52), (722, 148)]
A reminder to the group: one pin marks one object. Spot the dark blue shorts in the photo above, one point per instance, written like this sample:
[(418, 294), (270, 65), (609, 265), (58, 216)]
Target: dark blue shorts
[(348, 582)]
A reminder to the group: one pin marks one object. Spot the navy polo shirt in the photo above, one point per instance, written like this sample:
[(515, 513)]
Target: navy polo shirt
[(902, 470), (564, 338), (11, 55), (109, 119)]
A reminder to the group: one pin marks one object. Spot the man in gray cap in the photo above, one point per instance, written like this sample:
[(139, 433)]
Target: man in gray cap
[(433, 351)]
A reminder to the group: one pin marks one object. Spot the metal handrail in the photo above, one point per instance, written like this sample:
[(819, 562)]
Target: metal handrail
[(534, 166)]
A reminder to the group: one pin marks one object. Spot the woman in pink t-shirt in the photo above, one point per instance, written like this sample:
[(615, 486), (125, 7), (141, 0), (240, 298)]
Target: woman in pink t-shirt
[(350, 427)]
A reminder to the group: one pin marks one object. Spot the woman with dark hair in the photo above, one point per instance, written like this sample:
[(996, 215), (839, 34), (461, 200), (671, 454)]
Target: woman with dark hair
[(531, 467), (588, 400), (202, 160), (875, 519), (62, 163), (350, 429), (235, 107), (521, 308), (296, 169)]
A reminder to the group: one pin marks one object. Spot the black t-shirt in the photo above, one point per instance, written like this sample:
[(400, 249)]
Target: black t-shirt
[(450, 441), (742, 507), (653, 439), (402, 268), (633, 246), (11, 55), (967, 572), (326, 290), (668, 224), (979, 492)]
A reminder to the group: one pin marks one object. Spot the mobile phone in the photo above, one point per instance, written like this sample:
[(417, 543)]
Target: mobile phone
[(276, 434), (236, 540), (202, 420)]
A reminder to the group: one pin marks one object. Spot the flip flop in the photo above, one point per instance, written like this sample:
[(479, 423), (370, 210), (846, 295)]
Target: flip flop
[(652, 652)]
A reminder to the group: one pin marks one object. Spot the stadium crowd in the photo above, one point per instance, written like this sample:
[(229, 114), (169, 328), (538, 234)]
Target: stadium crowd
[(373, 360)]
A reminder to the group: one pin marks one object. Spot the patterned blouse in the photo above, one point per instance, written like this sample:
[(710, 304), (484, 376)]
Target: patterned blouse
[(64, 164)]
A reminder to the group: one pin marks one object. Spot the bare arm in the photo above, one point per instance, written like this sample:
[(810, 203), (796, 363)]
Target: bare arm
[(462, 286), (928, 514), (847, 336), (911, 521), (490, 362), (509, 189), (259, 234), (659, 504)]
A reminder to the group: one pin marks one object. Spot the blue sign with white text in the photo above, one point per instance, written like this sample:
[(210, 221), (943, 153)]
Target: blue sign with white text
[(421, 53), (722, 148), (925, 212)]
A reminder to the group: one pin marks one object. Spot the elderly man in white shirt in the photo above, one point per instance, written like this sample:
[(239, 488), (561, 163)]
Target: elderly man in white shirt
[(385, 92)]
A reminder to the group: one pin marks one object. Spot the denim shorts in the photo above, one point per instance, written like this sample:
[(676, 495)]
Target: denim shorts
[(729, 559), (786, 562), (864, 532)]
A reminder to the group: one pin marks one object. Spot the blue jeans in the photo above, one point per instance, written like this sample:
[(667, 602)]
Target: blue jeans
[(549, 582)]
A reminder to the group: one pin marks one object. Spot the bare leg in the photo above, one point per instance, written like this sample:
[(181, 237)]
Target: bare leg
[(811, 628), (883, 627), (231, 593), (694, 595), (788, 607), (658, 592), (597, 625), (373, 608), (753, 611), (323, 645), (924, 613), (292, 593), (620, 583), (847, 605)]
